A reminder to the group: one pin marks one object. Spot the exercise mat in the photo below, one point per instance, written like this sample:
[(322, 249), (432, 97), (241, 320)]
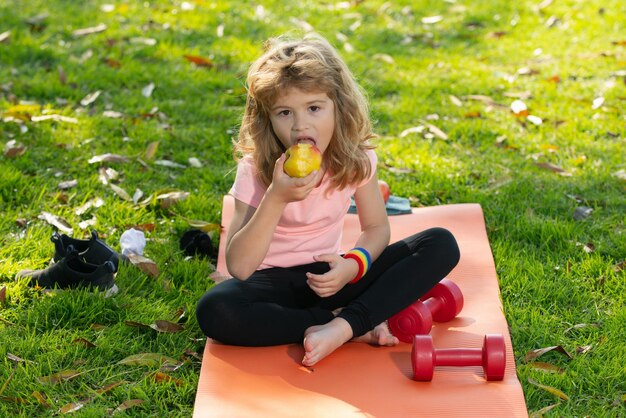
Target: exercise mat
[(360, 380)]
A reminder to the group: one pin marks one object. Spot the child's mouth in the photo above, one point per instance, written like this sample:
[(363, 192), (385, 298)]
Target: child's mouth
[(305, 140)]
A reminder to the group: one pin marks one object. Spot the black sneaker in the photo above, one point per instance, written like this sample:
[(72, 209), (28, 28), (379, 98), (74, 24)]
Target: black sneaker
[(92, 250), (196, 242), (71, 272)]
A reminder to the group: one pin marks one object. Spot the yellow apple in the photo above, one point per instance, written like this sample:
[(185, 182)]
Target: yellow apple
[(302, 159)]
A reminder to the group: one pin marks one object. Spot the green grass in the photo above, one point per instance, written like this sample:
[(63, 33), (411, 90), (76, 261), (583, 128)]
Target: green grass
[(549, 283)]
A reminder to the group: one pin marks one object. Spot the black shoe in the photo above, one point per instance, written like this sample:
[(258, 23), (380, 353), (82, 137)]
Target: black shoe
[(196, 242), (92, 250), (72, 272)]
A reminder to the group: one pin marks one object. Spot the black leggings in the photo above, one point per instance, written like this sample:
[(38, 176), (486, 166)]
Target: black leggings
[(275, 306)]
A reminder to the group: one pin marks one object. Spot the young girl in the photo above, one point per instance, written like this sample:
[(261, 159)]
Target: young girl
[(291, 283)]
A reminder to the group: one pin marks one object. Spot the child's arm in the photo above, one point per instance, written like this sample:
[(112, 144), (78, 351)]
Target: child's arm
[(374, 238), (251, 230)]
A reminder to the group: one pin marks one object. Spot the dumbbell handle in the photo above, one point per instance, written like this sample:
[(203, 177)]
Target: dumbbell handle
[(458, 357), (433, 304)]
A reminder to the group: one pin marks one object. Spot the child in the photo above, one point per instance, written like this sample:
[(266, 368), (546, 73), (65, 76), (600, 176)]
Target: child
[(291, 282)]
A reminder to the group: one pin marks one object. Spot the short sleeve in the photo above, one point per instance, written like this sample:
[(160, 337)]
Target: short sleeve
[(247, 187)]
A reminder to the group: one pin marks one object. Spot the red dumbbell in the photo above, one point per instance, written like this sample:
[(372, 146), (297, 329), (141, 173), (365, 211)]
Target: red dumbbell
[(492, 357), (442, 303)]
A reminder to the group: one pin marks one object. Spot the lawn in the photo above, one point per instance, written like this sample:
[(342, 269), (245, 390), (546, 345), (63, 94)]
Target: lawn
[(121, 114)]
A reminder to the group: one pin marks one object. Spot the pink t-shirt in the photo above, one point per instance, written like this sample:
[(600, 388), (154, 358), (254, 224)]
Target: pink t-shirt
[(309, 227)]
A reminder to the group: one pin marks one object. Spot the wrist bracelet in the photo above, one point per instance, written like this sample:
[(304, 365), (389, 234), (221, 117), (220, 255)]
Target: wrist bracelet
[(363, 259)]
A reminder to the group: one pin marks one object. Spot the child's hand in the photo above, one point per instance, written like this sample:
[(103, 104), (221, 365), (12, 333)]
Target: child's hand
[(341, 272), (292, 189)]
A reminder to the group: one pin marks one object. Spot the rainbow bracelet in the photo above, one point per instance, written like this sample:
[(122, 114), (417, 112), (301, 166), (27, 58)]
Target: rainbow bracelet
[(363, 259)]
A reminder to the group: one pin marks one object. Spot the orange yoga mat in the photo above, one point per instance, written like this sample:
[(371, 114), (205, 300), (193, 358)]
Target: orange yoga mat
[(359, 380)]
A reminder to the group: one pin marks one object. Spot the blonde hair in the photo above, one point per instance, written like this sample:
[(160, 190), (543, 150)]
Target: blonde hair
[(310, 64)]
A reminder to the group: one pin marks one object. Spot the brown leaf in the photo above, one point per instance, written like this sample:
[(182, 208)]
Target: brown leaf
[(64, 185), (539, 414), (619, 43), (55, 118), (71, 407), (168, 199), (84, 342), (583, 349), (91, 30), (16, 359), (13, 399), (166, 326), (151, 150), (554, 168), (533, 354), (579, 326), (620, 266), (180, 315), (14, 149), (54, 220), (205, 226), (147, 359), (127, 405), (550, 389), (160, 377), (108, 158), (199, 61), (41, 398), (136, 324), (62, 376), (106, 175), (193, 354), (109, 387), (144, 264), (3, 295), (113, 63), (547, 367), (121, 192), (582, 212), (21, 222), (98, 327)]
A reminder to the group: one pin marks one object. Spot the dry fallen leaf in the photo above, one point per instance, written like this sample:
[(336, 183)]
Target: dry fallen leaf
[(147, 90), (88, 31), (554, 168), (161, 377), (151, 150), (582, 212), (56, 221), (127, 405), (14, 149), (547, 367), (90, 98), (71, 407), (84, 342), (199, 61), (166, 326), (144, 264), (533, 354), (550, 389), (62, 376), (168, 199), (121, 192), (542, 411), (3, 295), (147, 359), (64, 185), (108, 158), (41, 398)]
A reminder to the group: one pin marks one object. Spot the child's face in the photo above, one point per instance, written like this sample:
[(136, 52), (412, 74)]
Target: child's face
[(301, 116)]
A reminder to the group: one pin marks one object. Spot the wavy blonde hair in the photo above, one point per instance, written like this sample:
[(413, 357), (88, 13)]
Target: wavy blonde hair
[(310, 64)]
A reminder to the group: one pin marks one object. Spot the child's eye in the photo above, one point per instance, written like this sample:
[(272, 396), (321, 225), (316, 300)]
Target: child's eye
[(284, 113), (314, 108)]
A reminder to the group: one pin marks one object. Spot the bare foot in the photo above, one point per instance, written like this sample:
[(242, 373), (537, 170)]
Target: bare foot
[(380, 335), (321, 340)]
